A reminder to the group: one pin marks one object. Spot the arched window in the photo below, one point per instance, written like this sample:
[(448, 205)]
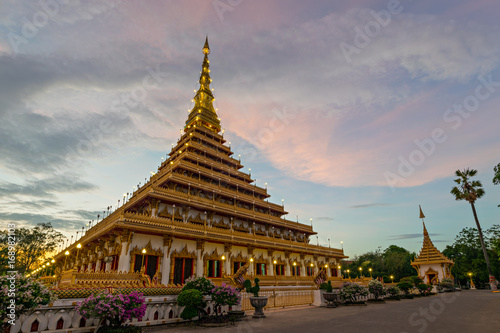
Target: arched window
[(171, 314), (34, 326), (60, 324), (83, 321), (155, 317)]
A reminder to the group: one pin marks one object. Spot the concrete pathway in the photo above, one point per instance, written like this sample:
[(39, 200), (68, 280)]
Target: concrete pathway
[(474, 311)]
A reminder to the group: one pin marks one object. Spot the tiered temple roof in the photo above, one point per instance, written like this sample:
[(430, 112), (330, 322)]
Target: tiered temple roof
[(199, 194), (429, 254)]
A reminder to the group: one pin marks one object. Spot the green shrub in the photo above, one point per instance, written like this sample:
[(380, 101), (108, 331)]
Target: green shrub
[(405, 285), (424, 289), (447, 283), (394, 291), (192, 299), (326, 287)]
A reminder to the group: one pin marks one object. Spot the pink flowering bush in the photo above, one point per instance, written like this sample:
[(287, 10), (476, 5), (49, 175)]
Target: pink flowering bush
[(376, 288), (349, 292), (112, 310), (200, 283), (225, 295), (27, 294)]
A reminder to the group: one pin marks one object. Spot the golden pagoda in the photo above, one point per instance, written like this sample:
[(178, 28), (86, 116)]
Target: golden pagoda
[(197, 215), (432, 266)]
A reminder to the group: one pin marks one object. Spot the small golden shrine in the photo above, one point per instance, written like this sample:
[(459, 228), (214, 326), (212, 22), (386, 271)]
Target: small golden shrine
[(199, 214), (432, 266)]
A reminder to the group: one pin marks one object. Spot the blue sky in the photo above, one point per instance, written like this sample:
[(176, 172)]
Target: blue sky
[(353, 113)]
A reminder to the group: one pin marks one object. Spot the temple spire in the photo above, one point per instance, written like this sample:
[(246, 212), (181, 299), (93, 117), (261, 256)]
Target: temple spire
[(203, 112), (422, 216)]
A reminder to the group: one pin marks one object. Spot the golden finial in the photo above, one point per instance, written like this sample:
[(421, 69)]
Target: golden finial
[(421, 213), (206, 48)]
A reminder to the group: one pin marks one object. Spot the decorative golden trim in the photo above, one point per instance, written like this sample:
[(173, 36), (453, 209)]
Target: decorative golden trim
[(149, 250), (214, 256), (261, 260), (167, 241), (239, 258), (200, 245), (183, 253)]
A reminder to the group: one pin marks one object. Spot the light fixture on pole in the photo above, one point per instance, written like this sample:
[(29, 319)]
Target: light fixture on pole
[(370, 270), (66, 258), (143, 255)]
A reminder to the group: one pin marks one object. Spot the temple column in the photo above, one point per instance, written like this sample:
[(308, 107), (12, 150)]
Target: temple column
[(227, 263), (200, 248), (288, 271), (165, 263), (98, 265), (271, 269), (124, 261), (108, 267)]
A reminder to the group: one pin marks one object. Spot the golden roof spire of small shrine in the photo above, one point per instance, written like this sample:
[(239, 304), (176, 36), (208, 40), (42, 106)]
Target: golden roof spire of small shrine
[(203, 113), (429, 253)]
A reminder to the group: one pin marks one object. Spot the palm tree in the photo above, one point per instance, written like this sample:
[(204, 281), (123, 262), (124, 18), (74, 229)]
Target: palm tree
[(496, 178), (471, 190)]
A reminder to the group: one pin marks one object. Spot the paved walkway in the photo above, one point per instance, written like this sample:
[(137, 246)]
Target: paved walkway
[(471, 311)]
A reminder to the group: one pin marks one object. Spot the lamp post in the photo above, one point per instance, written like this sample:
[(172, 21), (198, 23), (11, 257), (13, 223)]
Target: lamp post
[(370, 270), (142, 260), (348, 274), (340, 271), (79, 246), (392, 278), (223, 264), (472, 286), (361, 271), (66, 258)]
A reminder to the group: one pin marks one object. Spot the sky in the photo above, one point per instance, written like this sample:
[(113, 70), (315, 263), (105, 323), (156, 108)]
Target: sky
[(354, 113)]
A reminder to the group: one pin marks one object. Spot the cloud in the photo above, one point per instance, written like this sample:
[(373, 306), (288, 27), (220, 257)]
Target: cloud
[(46, 188), (369, 205), (324, 218), (320, 119), (409, 236), (29, 219)]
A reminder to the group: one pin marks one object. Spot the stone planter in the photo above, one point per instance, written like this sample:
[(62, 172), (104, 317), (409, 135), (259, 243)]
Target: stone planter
[(258, 303), (330, 298)]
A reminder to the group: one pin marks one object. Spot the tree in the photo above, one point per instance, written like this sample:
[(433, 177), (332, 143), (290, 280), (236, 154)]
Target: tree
[(471, 190), (397, 262), (496, 177), (467, 254), (394, 260), (32, 245)]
